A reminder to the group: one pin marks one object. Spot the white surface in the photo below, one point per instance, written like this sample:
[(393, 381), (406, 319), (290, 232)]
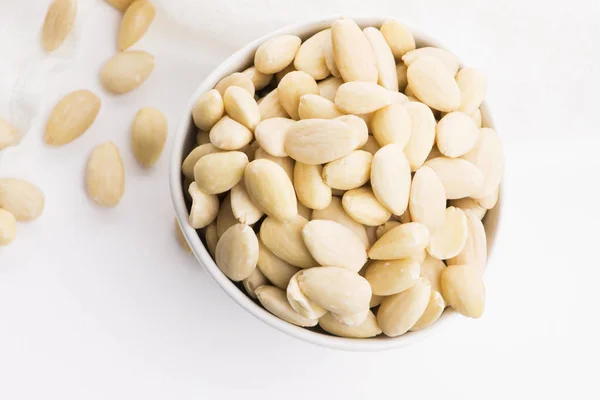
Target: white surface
[(98, 304)]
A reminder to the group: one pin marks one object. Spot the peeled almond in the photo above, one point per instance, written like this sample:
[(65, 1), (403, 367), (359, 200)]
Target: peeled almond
[(328, 87), (369, 328), (362, 205), (310, 57), (476, 115), (488, 202), (276, 302), (242, 207), (148, 135), (237, 252), (293, 86), (241, 107), (228, 134), (470, 207), (384, 59), (401, 73), (475, 250), (126, 71), (353, 54), (315, 106), (427, 202), (277, 53), (385, 228), (390, 178), (270, 134), (9, 136), (432, 268), (205, 207), (359, 127), (136, 20), (187, 168), (236, 79), (259, 80), (371, 145), (361, 97), (277, 271), (456, 134), (218, 172), (447, 58), (399, 312), (404, 241), (330, 57), (300, 303), (433, 84), (393, 276), (211, 238), (105, 175), (58, 23), (398, 37), (22, 199), (270, 106), (432, 313), (284, 162), (71, 117), (8, 227), (335, 212), (464, 290), (472, 84), (488, 156), (352, 320), (349, 172), (422, 134), (253, 282), (450, 238), (286, 242), (392, 124), (459, 177), (310, 188)]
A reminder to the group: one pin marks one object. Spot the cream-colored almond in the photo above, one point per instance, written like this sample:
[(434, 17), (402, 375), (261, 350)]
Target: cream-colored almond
[(473, 85), (276, 53), (285, 241), (385, 228), (476, 115), (398, 37), (205, 207), (148, 135), (211, 238), (187, 167), (384, 59), (228, 134), (464, 290), (274, 268), (470, 207), (450, 238), (310, 57), (225, 217), (456, 134), (349, 172), (270, 106), (447, 58), (459, 177), (359, 127), (310, 187), (135, 23), (236, 79), (335, 212), (336, 289), (300, 303), (427, 202), (399, 98), (362, 205), (276, 302), (284, 162), (218, 172), (59, 22), (281, 74), (399, 312), (432, 268), (393, 276), (126, 71), (8, 227), (241, 107), (22, 199), (270, 134), (352, 320), (237, 252), (319, 141), (181, 238), (120, 5), (328, 87), (315, 106), (329, 56), (488, 156), (432, 313), (361, 97), (404, 241), (475, 250), (208, 110), (202, 138), (433, 84), (354, 57), (369, 328), (401, 73), (105, 175), (332, 244), (422, 134), (488, 202), (242, 207), (293, 86), (9, 136), (71, 117), (253, 282), (371, 145), (392, 124), (259, 80), (271, 190), (390, 178)]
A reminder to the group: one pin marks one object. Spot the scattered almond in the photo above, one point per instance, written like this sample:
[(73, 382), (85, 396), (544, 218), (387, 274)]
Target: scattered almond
[(59, 22), (126, 71), (106, 175), (135, 23), (9, 136), (71, 117), (148, 135), (8, 227)]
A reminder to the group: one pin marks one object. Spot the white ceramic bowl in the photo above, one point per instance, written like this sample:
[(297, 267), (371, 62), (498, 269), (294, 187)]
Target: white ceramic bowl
[(185, 140)]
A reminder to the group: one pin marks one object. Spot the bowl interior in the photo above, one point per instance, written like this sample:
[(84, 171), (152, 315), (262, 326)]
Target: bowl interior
[(185, 141)]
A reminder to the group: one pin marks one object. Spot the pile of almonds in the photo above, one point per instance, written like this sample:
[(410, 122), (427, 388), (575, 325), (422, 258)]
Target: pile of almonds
[(342, 180)]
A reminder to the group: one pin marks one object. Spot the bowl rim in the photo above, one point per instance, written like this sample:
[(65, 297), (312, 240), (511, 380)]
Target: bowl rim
[(236, 63)]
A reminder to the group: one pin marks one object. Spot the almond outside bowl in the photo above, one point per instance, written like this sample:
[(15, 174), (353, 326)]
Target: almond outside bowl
[(185, 140)]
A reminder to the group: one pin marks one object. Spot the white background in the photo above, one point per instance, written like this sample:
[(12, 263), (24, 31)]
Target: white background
[(103, 304)]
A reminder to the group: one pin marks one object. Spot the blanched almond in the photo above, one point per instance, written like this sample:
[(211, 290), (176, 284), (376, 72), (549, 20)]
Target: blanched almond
[(328, 87), (284, 162), (253, 282), (335, 212), (187, 168), (300, 303), (336, 289), (449, 60), (211, 238), (135, 23), (354, 57), (432, 313), (352, 320), (433, 84), (475, 250), (237, 252), (398, 37), (404, 241), (259, 80), (401, 73), (390, 178), (463, 289), (58, 23), (270, 106), (422, 134), (218, 172), (362, 205), (391, 277), (459, 177), (293, 86), (310, 188), (271, 190), (236, 79), (369, 328), (427, 201), (205, 207), (105, 175), (392, 124), (319, 141), (242, 207), (310, 57), (315, 106), (385, 228), (225, 217), (472, 84), (399, 312), (456, 134), (371, 145), (476, 115), (276, 53), (270, 134), (432, 268), (330, 57), (349, 172), (148, 135), (331, 243), (285, 241), (71, 117), (470, 207), (359, 127), (488, 202), (488, 157), (22, 199), (361, 97), (228, 134), (384, 59), (450, 238), (274, 268), (9, 136), (275, 301), (8, 227), (126, 71), (181, 239), (241, 107)]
